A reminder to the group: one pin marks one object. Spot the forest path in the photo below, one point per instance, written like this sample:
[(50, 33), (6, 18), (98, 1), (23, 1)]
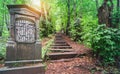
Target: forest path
[(60, 49), (76, 64)]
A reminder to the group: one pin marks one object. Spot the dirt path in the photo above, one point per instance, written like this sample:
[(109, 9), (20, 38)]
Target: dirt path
[(78, 65)]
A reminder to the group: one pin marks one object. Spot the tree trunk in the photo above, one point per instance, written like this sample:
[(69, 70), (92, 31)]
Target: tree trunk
[(97, 4), (110, 14), (117, 18), (14, 1), (118, 5), (104, 13), (68, 18)]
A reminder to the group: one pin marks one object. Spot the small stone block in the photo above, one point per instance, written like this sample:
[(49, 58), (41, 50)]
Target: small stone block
[(35, 69)]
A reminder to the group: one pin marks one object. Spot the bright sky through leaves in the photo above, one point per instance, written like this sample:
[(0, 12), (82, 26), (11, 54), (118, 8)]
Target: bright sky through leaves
[(36, 3)]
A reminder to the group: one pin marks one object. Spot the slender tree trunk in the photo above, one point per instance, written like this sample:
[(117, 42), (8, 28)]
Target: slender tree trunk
[(14, 1), (97, 4), (118, 5), (68, 18), (74, 9), (118, 8), (110, 15)]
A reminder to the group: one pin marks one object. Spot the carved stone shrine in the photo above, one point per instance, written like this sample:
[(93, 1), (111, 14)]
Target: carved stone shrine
[(23, 46)]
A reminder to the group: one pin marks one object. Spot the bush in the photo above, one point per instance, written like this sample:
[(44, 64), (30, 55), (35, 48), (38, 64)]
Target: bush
[(45, 49), (88, 25), (106, 44), (2, 48), (75, 31), (3, 40)]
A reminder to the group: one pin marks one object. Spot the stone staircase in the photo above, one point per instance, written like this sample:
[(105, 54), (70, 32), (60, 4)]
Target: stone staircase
[(60, 49)]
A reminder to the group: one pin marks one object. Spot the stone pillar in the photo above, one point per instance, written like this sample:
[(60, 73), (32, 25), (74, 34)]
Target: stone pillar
[(38, 43), (23, 45), (23, 54)]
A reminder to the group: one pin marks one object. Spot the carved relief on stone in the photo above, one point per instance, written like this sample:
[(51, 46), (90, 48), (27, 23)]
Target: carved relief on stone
[(25, 31)]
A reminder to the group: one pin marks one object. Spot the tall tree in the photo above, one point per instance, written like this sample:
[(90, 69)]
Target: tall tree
[(68, 17), (97, 4), (14, 1), (118, 9), (104, 13)]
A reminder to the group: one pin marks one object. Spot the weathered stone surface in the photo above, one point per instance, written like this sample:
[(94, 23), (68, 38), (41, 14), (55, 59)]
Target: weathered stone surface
[(61, 55), (61, 50), (35, 69), (23, 54), (24, 41), (61, 47)]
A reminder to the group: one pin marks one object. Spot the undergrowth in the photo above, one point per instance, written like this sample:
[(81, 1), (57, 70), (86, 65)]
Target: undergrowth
[(106, 44), (45, 49)]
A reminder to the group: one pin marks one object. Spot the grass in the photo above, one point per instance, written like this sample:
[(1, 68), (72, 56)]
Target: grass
[(3, 41), (45, 49)]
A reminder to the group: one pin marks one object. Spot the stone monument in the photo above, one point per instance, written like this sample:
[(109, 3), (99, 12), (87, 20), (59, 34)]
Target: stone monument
[(23, 47)]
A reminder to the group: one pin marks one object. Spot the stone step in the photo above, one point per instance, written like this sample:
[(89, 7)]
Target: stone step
[(58, 38), (30, 69), (61, 50), (65, 55), (58, 35), (61, 47), (59, 41)]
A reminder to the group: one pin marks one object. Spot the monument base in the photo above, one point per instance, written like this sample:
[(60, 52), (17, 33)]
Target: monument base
[(34, 69), (20, 63)]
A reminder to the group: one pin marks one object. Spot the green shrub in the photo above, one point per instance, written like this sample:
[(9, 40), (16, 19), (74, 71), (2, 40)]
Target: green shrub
[(45, 49), (88, 25), (3, 40), (106, 44), (2, 47), (75, 31)]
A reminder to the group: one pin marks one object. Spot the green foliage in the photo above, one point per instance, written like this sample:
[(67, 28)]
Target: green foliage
[(2, 49), (3, 41), (115, 20), (82, 29), (104, 41), (75, 31), (106, 44), (86, 13), (88, 25), (4, 22), (45, 28), (45, 49)]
